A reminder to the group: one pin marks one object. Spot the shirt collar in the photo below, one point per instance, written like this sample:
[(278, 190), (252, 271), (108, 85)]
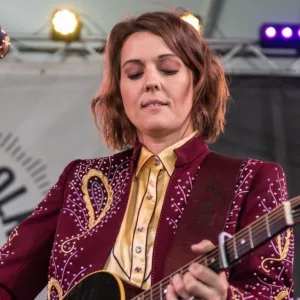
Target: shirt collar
[(167, 156)]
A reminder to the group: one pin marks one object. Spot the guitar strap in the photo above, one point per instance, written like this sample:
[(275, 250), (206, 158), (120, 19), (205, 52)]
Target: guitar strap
[(207, 208)]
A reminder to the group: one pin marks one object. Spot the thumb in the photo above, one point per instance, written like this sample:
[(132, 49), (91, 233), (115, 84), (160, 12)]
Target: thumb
[(203, 247)]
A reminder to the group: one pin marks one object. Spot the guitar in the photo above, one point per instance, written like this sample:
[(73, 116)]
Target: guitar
[(104, 285)]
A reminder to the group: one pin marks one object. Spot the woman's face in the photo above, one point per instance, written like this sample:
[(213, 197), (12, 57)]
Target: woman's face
[(156, 87)]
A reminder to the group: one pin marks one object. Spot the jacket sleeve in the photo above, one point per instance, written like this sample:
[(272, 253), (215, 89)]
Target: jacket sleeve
[(24, 258), (267, 272)]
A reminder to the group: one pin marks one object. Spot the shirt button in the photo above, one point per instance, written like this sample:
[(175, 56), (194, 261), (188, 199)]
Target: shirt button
[(140, 229), (138, 249), (137, 269), (149, 197), (156, 161)]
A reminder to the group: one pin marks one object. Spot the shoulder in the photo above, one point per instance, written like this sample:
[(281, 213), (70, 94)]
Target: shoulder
[(249, 168), (120, 159), (261, 180), (259, 169), (261, 186)]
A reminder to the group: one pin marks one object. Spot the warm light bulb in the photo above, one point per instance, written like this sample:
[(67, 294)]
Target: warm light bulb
[(65, 22), (191, 19)]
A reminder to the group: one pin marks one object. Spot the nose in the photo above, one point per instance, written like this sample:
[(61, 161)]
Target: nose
[(152, 83), (152, 86)]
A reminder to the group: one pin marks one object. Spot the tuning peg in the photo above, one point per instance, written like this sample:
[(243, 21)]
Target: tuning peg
[(4, 43)]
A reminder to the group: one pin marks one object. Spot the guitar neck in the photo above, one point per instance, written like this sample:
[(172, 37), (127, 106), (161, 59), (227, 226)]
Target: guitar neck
[(239, 245)]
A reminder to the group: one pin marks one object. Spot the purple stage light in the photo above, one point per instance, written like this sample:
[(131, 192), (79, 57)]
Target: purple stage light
[(287, 32), (270, 32), (299, 32)]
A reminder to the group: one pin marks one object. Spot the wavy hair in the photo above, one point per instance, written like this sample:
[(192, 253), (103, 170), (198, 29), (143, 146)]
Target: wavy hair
[(211, 92)]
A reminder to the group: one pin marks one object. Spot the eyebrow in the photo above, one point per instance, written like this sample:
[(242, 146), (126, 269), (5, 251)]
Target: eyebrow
[(138, 61)]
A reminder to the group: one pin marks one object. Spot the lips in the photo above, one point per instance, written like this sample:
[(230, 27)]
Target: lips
[(152, 103)]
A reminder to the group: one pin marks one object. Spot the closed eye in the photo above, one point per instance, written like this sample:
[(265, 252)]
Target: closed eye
[(135, 76), (139, 74), (169, 72)]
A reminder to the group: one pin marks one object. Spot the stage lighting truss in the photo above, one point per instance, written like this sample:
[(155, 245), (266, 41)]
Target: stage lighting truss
[(238, 56)]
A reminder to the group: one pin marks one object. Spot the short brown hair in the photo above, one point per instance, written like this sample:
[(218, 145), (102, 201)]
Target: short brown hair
[(210, 88)]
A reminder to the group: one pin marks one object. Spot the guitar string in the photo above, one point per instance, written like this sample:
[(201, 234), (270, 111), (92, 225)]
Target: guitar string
[(158, 287)]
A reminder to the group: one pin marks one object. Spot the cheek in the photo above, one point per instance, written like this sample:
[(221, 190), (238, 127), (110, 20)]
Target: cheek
[(126, 95), (130, 93), (128, 99), (183, 94)]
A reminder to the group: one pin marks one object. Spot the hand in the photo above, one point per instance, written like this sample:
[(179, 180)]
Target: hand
[(199, 281)]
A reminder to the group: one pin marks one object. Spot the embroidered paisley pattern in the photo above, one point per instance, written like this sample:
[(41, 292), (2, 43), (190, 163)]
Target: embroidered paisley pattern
[(283, 251), (85, 189), (281, 295), (88, 188), (53, 283)]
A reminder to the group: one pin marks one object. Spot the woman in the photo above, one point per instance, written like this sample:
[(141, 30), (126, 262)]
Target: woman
[(163, 96)]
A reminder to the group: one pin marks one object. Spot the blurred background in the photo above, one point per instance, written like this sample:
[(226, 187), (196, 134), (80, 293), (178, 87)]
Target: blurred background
[(54, 68)]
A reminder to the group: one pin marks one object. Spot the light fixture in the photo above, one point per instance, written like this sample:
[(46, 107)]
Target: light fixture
[(65, 25), (287, 32), (280, 35), (190, 18), (270, 32)]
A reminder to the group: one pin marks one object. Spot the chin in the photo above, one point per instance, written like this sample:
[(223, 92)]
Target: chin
[(158, 128)]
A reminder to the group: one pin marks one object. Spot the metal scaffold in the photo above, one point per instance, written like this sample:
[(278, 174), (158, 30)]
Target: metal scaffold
[(238, 56)]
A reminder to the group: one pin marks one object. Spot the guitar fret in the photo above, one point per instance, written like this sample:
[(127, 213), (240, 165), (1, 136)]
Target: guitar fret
[(235, 248), (205, 261), (268, 225), (160, 291), (250, 237)]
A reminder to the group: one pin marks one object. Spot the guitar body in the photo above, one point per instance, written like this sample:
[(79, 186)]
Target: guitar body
[(102, 285)]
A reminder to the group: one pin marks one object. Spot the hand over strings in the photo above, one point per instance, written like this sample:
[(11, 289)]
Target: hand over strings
[(199, 282)]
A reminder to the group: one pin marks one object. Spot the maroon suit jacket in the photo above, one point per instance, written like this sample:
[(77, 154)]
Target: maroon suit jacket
[(72, 231)]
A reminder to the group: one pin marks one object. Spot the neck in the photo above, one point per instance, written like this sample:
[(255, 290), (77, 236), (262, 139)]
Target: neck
[(157, 144)]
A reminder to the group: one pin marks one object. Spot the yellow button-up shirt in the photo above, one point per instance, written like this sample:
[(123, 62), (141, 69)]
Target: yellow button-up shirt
[(131, 257)]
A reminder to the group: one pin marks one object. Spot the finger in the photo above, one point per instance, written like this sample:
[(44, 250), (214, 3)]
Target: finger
[(171, 294), (210, 278), (197, 288), (203, 247), (179, 287)]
